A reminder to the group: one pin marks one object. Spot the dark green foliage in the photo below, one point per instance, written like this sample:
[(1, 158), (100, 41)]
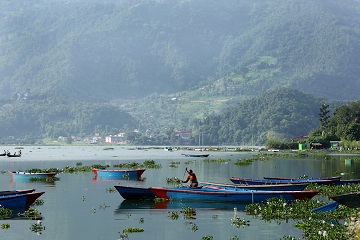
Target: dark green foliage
[(277, 144), (345, 123), (280, 114), (55, 117)]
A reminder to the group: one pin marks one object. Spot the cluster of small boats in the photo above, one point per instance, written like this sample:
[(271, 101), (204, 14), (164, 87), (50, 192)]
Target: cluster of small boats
[(7, 153), (242, 190)]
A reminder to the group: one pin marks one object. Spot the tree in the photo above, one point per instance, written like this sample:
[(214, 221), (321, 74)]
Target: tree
[(69, 140), (324, 118)]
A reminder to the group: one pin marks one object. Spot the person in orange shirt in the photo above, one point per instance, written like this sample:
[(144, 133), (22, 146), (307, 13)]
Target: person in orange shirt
[(192, 178)]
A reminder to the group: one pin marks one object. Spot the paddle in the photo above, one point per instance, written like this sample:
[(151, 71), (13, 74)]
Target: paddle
[(184, 173)]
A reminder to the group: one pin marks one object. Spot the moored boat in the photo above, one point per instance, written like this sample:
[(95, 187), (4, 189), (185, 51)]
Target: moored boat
[(20, 201), (244, 196), (13, 155), (351, 200), (274, 187), (28, 175), (347, 181), (253, 181), (13, 192), (327, 207), (302, 178), (124, 174), (140, 193), (196, 155), (135, 193)]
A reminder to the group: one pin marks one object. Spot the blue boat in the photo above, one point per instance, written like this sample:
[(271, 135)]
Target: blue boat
[(140, 193), (327, 207), (13, 192), (135, 193), (19, 202), (349, 181), (253, 181), (27, 175), (239, 196), (277, 187), (123, 174)]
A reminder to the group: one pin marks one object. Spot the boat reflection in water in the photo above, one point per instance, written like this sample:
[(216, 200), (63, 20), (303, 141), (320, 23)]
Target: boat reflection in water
[(127, 205)]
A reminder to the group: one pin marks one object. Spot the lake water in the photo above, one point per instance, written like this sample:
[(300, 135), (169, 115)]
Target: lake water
[(79, 207)]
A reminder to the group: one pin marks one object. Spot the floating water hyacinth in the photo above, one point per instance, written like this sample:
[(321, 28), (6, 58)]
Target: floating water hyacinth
[(237, 221), (37, 227)]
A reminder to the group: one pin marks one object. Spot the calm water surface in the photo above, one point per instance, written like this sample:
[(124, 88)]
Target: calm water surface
[(80, 207)]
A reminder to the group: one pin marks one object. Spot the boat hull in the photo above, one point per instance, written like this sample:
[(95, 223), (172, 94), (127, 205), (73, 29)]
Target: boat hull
[(14, 192), (19, 202), (118, 174), (274, 187), (246, 196), (135, 193), (351, 200), (139, 193), (251, 181), (197, 155), (349, 181), (27, 175)]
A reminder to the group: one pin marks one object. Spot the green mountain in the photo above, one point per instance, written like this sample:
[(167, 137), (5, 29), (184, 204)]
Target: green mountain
[(174, 63), (105, 50), (277, 114)]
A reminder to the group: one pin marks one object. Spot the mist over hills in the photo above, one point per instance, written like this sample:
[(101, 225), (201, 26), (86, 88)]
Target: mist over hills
[(222, 52)]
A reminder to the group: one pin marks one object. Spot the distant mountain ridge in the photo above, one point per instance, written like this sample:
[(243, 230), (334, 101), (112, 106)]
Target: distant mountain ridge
[(174, 63), (98, 51)]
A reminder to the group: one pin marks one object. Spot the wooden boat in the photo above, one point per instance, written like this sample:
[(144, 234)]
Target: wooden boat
[(13, 155), (252, 181), (351, 200), (19, 201), (340, 182), (13, 192), (135, 193), (196, 155), (124, 174), (349, 181), (275, 187), (327, 207), (140, 193), (244, 196), (28, 175), (296, 179)]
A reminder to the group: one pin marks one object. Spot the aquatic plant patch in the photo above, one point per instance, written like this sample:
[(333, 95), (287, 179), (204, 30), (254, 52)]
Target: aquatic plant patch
[(173, 181), (5, 212), (5, 226), (37, 227), (132, 230), (315, 225), (32, 214)]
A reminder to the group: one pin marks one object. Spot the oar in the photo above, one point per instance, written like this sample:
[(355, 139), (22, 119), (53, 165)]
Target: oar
[(184, 174)]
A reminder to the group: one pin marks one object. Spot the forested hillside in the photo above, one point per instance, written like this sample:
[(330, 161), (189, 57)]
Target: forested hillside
[(102, 50), (278, 114), (204, 55), (31, 120)]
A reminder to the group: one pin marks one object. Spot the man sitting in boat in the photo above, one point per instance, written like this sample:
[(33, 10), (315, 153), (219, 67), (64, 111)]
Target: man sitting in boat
[(192, 178)]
